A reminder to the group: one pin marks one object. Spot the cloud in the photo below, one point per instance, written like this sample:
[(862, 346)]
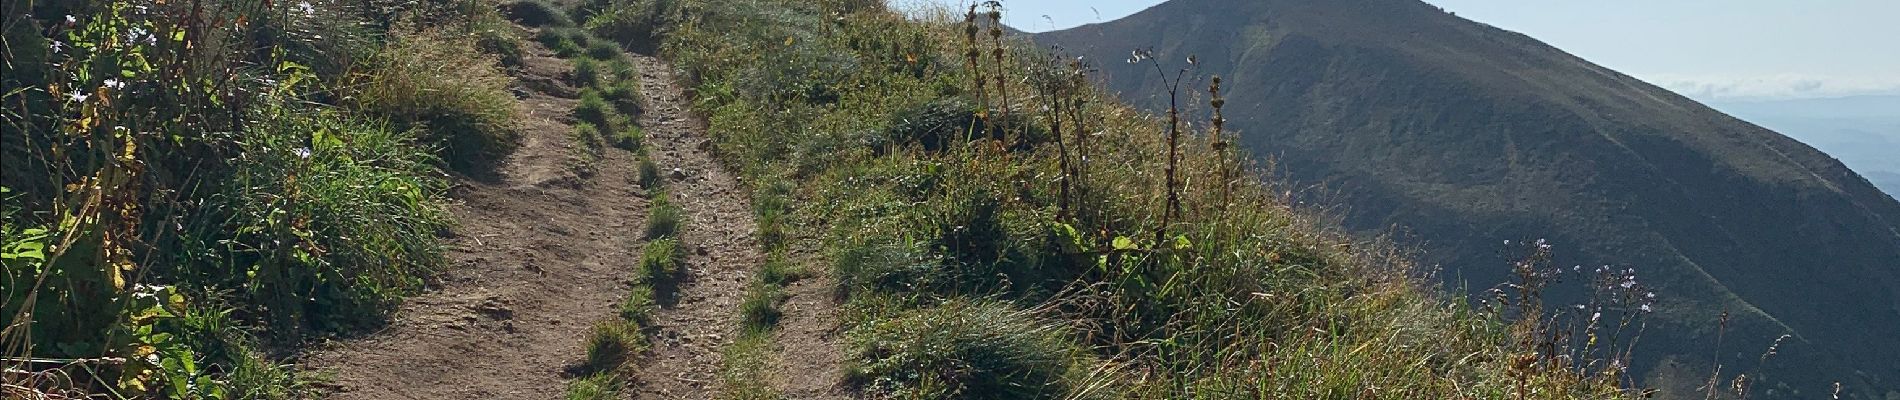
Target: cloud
[(1774, 87)]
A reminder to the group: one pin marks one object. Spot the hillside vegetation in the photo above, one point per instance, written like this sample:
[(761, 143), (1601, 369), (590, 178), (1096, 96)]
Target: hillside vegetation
[(195, 190), (1463, 136), (1000, 229), (188, 184)]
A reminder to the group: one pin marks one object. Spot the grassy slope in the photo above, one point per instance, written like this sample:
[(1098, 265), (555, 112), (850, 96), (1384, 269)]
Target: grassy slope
[(1466, 134), (967, 278)]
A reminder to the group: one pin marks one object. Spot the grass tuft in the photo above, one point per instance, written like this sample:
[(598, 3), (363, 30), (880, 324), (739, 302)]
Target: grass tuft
[(610, 344), (639, 305), (760, 307), (649, 175), (665, 220), (439, 82), (537, 13), (663, 260), (965, 350), (594, 387)]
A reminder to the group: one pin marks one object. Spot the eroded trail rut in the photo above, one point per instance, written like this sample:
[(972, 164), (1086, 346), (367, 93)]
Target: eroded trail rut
[(542, 253), (721, 238)]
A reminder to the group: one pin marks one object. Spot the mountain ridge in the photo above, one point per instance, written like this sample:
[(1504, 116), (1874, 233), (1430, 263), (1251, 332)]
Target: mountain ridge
[(1467, 134)]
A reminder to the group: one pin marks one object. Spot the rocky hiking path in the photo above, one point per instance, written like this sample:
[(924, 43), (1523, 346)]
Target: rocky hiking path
[(538, 256), (720, 235), (543, 252)]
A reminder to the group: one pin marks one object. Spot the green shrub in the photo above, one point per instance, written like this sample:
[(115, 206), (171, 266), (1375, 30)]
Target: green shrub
[(537, 13), (363, 193), (611, 344), (439, 82), (963, 350), (662, 260)]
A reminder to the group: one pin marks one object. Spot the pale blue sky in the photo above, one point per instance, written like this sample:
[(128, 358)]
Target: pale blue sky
[(1709, 49)]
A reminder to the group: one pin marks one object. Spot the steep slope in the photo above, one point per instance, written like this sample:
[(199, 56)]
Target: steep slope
[(1466, 135), (1862, 131)]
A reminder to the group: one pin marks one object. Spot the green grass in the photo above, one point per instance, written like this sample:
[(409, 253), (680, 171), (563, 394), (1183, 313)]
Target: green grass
[(611, 344), (624, 93), (639, 305), (662, 260), (630, 138), (587, 73), (759, 310), (537, 13), (440, 83), (664, 219), (648, 176), (948, 234), (594, 387), (184, 229), (594, 110), (965, 350), (604, 51)]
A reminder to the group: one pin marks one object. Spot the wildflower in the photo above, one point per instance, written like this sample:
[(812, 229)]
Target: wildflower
[(58, 47), (1646, 308), (302, 152), (70, 21), (307, 9), (114, 83), (140, 35), (77, 96)]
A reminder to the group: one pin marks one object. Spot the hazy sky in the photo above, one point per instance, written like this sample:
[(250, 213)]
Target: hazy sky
[(1708, 49)]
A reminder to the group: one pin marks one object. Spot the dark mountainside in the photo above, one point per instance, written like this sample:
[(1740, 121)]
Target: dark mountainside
[(1466, 135), (1862, 131)]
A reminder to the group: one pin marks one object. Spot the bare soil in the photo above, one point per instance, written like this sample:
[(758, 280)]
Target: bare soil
[(546, 249), (538, 256), (721, 237)]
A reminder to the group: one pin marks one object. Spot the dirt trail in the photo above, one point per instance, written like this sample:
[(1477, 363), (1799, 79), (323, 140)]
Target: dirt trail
[(721, 236), (810, 362), (544, 252), (537, 258)]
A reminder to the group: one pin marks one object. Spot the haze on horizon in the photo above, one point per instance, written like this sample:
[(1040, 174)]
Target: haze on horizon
[(1710, 50)]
